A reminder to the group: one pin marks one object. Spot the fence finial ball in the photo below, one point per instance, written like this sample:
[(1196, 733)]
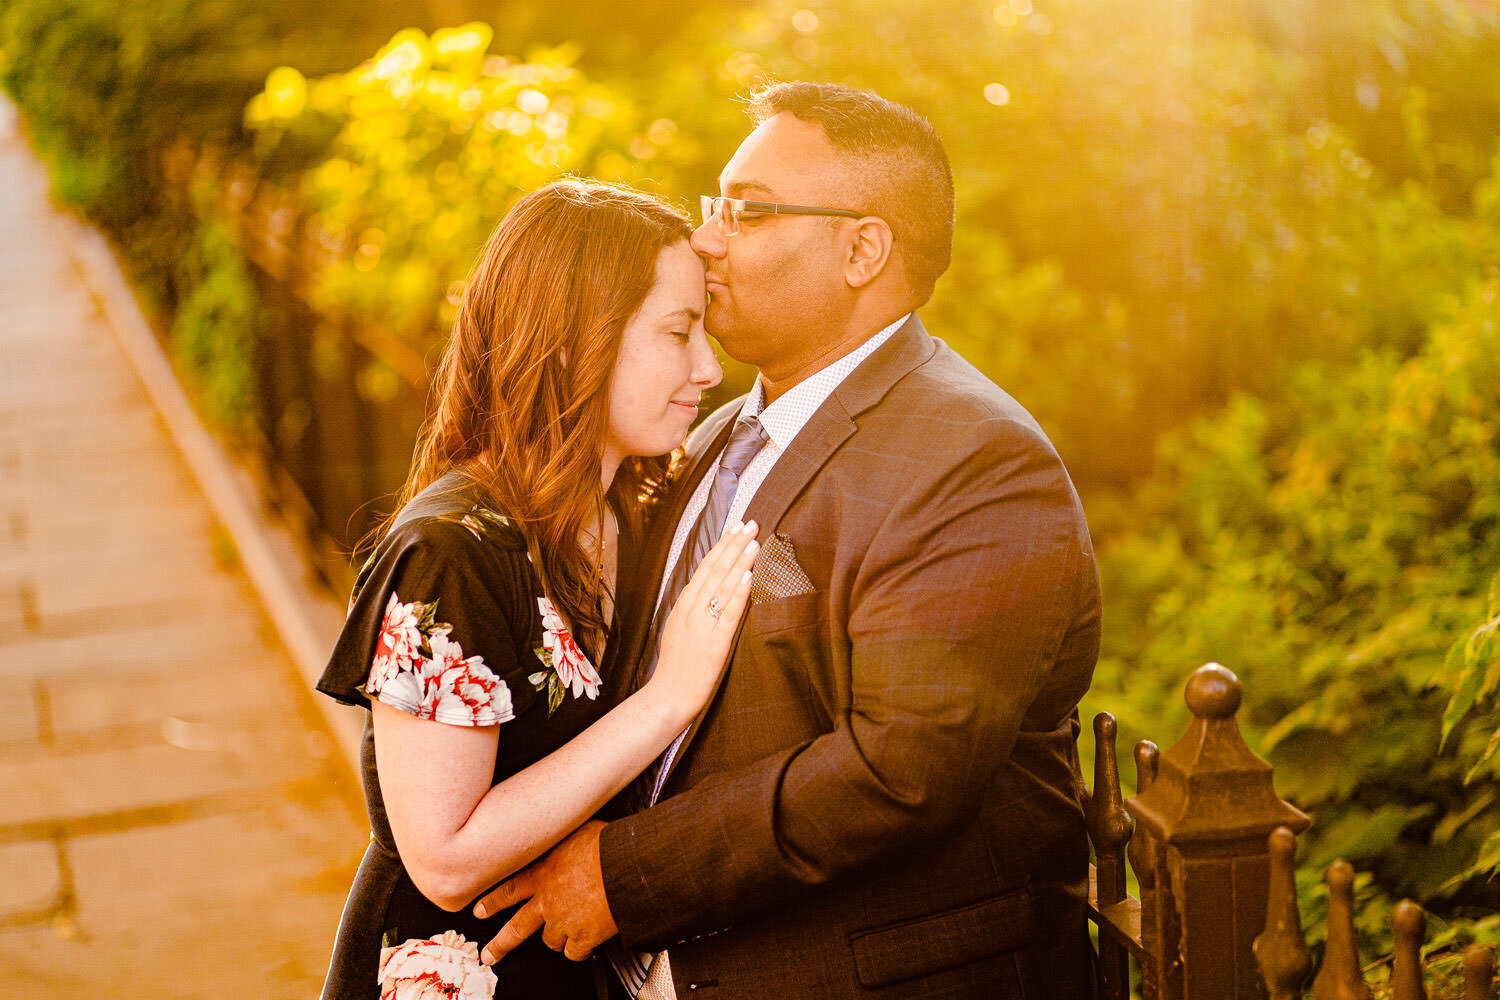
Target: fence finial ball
[(1340, 877), (1409, 921), (1213, 692)]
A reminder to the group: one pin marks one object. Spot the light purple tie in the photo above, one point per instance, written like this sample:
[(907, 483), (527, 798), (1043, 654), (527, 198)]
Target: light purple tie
[(744, 444)]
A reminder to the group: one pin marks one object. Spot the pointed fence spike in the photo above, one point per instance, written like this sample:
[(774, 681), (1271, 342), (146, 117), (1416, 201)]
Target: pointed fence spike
[(1146, 758), (1410, 925), (1479, 973), (1280, 950), (1340, 977), (1141, 851), (1109, 828), (1108, 822)]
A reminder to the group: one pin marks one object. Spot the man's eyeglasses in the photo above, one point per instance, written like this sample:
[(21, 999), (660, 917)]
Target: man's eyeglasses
[(726, 211)]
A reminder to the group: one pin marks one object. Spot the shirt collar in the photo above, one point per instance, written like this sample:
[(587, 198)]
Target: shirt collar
[(785, 418)]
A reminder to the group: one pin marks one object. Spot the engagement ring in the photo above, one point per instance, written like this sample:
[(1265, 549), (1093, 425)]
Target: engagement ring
[(715, 608)]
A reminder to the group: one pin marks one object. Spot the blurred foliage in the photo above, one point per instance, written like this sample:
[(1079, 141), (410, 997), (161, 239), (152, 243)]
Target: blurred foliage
[(1333, 546), (216, 331), (1240, 258), (107, 87), (405, 163)]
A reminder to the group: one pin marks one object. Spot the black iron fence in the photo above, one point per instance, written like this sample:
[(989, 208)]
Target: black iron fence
[(1212, 848)]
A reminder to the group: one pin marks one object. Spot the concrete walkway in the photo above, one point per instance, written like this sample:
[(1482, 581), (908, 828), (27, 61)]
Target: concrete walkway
[(175, 819)]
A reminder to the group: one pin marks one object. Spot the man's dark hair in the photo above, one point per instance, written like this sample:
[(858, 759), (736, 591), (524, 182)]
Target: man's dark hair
[(901, 160)]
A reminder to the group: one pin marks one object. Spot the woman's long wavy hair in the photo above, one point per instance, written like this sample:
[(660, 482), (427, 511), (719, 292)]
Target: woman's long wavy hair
[(522, 392)]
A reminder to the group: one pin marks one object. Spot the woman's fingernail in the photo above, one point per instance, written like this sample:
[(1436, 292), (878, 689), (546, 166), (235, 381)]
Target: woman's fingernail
[(750, 526), (479, 911), (486, 957), (752, 548), (746, 577)]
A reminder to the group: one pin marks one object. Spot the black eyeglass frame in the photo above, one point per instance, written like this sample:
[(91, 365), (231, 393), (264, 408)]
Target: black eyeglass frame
[(708, 205)]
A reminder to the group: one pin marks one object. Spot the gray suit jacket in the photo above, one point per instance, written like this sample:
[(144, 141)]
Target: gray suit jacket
[(883, 797)]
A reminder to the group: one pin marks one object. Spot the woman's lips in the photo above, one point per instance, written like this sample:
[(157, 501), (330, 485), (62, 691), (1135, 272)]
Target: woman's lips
[(689, 407)]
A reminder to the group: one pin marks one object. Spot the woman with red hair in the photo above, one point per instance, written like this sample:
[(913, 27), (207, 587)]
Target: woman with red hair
[(480, 631)]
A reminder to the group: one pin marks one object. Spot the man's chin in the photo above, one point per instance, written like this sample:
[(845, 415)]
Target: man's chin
[(720, 327)]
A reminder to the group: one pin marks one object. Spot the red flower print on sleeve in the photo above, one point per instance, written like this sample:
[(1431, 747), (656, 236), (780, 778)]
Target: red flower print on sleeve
[(420, 669)]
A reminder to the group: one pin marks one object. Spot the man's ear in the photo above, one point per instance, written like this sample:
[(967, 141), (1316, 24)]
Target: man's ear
[(869, 251)]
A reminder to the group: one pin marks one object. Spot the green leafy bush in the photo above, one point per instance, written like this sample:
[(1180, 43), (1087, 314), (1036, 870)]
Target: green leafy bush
[(216, 332), (406, 162), (1331, 548)]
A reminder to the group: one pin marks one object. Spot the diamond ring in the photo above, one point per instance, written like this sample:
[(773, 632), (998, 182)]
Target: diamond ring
[(715, 608)]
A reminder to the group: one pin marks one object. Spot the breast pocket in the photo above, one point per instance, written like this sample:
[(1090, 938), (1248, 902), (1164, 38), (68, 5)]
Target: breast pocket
[(784, 666), (799, 613)]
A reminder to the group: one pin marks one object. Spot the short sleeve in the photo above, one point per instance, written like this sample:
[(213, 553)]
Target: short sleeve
[(435, 627)]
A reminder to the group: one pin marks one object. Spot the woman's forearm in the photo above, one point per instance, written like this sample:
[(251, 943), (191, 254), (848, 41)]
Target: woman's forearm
[(458, 835), (514, 822)]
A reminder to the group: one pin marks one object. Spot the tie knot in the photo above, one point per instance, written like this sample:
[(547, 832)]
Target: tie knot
[(745, 441)]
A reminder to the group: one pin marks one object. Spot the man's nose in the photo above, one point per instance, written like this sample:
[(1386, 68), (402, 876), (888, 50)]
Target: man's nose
[(708, 239)]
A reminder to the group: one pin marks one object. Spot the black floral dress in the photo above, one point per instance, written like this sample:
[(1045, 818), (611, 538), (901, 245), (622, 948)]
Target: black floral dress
[(449, 622)]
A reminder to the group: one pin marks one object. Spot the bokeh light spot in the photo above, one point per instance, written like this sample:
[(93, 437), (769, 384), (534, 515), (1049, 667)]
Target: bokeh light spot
[(662, 131), (532, 101), (405, 57), (286, 92)]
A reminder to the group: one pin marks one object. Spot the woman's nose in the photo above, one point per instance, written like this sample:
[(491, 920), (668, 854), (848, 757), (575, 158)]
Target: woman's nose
[(707, 372)]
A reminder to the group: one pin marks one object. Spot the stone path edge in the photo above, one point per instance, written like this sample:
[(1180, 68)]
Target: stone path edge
[(288, 603)]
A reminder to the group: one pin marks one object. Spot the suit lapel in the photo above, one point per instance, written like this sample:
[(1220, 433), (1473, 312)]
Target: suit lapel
[(828, 428), (833, 422)]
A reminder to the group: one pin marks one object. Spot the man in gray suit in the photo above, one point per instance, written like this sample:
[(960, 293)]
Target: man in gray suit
[(883, 798)]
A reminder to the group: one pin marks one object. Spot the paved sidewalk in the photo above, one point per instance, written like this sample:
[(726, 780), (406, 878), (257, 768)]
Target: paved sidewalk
[(175, 820)]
